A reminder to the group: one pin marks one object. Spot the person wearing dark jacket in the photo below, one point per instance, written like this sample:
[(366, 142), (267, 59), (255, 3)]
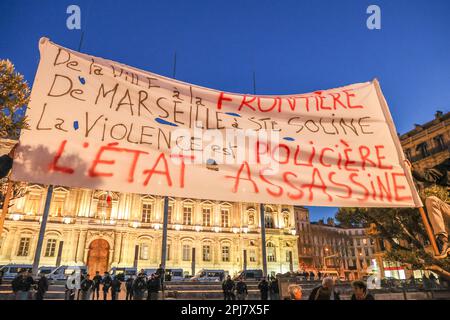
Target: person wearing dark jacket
[(96, 285), (153, 286), (437, 209), (263, 287), (274, 290), (42, 287), (129, 288), (21, 285), (115, 288), (86, 286), (360, 291), (6, 162), (325, 291), (139, 286), (228, 288), (107, 283), (241, 290)]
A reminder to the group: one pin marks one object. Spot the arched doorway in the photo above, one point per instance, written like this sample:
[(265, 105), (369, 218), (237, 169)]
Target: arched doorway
[(98, 256)]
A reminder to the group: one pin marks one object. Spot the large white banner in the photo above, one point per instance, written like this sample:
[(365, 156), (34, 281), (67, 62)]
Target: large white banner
[(99, 124)]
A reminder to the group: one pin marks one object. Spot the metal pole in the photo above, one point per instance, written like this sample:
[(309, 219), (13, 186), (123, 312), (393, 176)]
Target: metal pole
[(263, 240), (37, 254), (193, 262), (164, 234), (60, 249)]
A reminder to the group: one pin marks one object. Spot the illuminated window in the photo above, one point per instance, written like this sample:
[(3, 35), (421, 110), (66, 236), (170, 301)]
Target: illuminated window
[(169, 213), (207, 216), (57, 206), (271, 257), (186, 252), (187, 215), (32, 203), (206, 250), (24, 247), (225, 215), (252, 255), (225, 253), (144, 251), (146, 212), (50, 248), (104, 207)]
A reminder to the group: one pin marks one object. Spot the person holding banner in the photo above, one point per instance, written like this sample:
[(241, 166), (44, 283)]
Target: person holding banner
[(437, 210), (6, 162)]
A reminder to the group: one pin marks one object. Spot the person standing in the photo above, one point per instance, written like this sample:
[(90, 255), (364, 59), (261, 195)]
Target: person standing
[(107, 282), (86, 286), (21, 285), (241, 290), (96, 285), (139, 286), (42, 287), (6, 162), (153, 287), (129, 288), (274, 290), (311, 276), (228, 288), (263, 287), (360, 291), (115, 288), (325, 291)]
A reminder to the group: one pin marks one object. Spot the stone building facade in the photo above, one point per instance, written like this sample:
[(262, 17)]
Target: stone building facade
[(428, 144), (327, 246), (106, 229)]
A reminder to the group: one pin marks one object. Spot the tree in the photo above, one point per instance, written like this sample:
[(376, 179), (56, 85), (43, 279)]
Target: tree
[(14, 96), (403, 230)]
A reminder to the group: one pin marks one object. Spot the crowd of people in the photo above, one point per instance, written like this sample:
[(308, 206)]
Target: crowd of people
[(139, 287), (271, 290), (24, 284)]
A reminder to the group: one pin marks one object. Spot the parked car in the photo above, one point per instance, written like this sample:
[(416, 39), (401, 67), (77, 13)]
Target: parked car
[(174, 275), (61, 273), (255, 274), (10, 271), (210, 275), (123, 273)]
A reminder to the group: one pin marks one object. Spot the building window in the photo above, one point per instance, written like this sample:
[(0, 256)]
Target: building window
[(144, 251), (186, 252), (422, 148), (271, 257), (206, 253), (226, 254), (439, 141), (24, 247), (225, 218), (187, 215), (57, 206), (104, 207), (252, 255), (146, 212), (288, 256), (33, 203), (50, 248), (169, 213), (207, 217)]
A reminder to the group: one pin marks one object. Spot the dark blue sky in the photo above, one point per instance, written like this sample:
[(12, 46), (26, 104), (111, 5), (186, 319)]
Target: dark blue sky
[(293, 46)]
